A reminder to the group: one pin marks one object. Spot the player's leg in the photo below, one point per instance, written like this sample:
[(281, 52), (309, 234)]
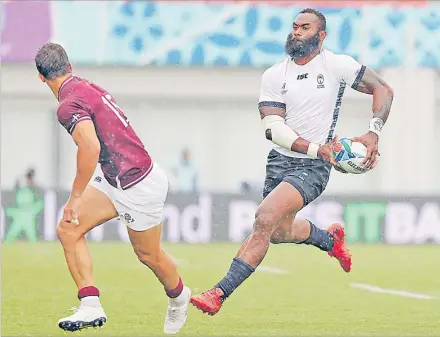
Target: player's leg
[(95, 209), (147, 246), (141, 207), (315, 176), (302, 231), (282, 201)]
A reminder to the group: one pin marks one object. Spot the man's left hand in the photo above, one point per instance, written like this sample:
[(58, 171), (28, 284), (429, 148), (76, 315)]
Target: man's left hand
[(370, 140)]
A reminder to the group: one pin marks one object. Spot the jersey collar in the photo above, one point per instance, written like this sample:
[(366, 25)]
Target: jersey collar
[(63, 85)]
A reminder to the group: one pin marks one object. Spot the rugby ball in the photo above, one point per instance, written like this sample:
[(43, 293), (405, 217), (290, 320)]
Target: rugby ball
[(350, 155)]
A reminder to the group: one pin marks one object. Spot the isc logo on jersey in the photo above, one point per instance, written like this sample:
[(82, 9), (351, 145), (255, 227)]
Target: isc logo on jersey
[(350, 155)]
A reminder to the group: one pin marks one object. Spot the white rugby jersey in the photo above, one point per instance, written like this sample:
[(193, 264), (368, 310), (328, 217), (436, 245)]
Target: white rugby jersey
[(311, 94)]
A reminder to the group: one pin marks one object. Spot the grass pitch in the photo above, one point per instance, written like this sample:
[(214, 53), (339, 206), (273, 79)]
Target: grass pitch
[(300, 292)]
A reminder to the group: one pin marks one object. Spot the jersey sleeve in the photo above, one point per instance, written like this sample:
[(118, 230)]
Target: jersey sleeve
[(348, 70), (270, 93), (70, 114)]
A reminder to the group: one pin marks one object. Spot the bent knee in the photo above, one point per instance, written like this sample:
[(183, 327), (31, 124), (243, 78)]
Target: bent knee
[(67, 232), (265, 221)]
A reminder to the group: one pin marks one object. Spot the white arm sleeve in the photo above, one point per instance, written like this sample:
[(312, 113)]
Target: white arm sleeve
[(270, 93), (278, 132), (348, 70)]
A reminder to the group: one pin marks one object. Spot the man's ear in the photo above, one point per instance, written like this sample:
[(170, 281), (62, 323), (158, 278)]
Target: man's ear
[(42, 78)]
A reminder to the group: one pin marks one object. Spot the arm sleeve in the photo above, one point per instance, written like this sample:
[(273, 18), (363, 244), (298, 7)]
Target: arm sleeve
[(71, 113), (270, 93), (348, 70)]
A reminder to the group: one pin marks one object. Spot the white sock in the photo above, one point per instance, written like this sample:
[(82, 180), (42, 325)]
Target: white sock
[(181, 299), (91, 301)]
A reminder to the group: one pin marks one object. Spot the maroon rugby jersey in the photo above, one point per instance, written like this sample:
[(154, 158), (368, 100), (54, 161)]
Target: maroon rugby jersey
[(123, 158)]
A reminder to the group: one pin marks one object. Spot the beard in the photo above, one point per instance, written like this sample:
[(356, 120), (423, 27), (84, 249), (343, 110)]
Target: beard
[(302, 49)]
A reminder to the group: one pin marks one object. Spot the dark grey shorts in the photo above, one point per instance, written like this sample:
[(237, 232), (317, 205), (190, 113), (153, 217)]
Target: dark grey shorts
[(308, 176)]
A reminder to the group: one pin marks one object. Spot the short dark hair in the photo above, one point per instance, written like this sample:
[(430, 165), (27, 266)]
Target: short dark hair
[(321, 17), (52, 61)]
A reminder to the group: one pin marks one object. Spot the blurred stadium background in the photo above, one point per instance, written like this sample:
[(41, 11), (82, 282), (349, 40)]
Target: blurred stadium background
[(187, 74)]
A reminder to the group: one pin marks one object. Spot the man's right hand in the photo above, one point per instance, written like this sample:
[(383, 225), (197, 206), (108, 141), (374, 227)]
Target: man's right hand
[(326, 152)]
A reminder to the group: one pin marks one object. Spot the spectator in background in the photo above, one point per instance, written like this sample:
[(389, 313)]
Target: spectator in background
[(250, 187), (30, 178), (27, 181), (185, 174), (245, 187)]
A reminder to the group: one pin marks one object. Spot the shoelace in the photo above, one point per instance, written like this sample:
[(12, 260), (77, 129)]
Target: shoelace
[(173, 313)]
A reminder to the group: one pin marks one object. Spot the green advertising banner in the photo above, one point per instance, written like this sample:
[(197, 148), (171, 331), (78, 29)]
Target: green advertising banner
[(32, 215)]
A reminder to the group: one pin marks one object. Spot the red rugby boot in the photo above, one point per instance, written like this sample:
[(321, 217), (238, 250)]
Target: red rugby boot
[(340, 250)]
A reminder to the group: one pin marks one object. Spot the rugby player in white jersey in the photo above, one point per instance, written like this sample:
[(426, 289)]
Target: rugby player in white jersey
[(299, 105)]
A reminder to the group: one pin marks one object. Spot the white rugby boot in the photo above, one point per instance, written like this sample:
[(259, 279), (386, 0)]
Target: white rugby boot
[(83, 317), (177, 312)]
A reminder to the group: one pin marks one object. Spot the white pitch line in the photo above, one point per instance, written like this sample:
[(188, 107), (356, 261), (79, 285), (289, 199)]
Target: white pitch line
[(402, 293), (271, 270)]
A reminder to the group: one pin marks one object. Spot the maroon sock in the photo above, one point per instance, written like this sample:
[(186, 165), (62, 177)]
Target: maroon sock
[(176, 291), (88, 291)]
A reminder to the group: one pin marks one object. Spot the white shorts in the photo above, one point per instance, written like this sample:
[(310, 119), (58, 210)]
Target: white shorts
[(141, 206)]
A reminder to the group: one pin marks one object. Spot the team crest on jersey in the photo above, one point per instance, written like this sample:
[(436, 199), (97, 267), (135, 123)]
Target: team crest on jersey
[(75, 117), (283, 89), (320, 80)]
